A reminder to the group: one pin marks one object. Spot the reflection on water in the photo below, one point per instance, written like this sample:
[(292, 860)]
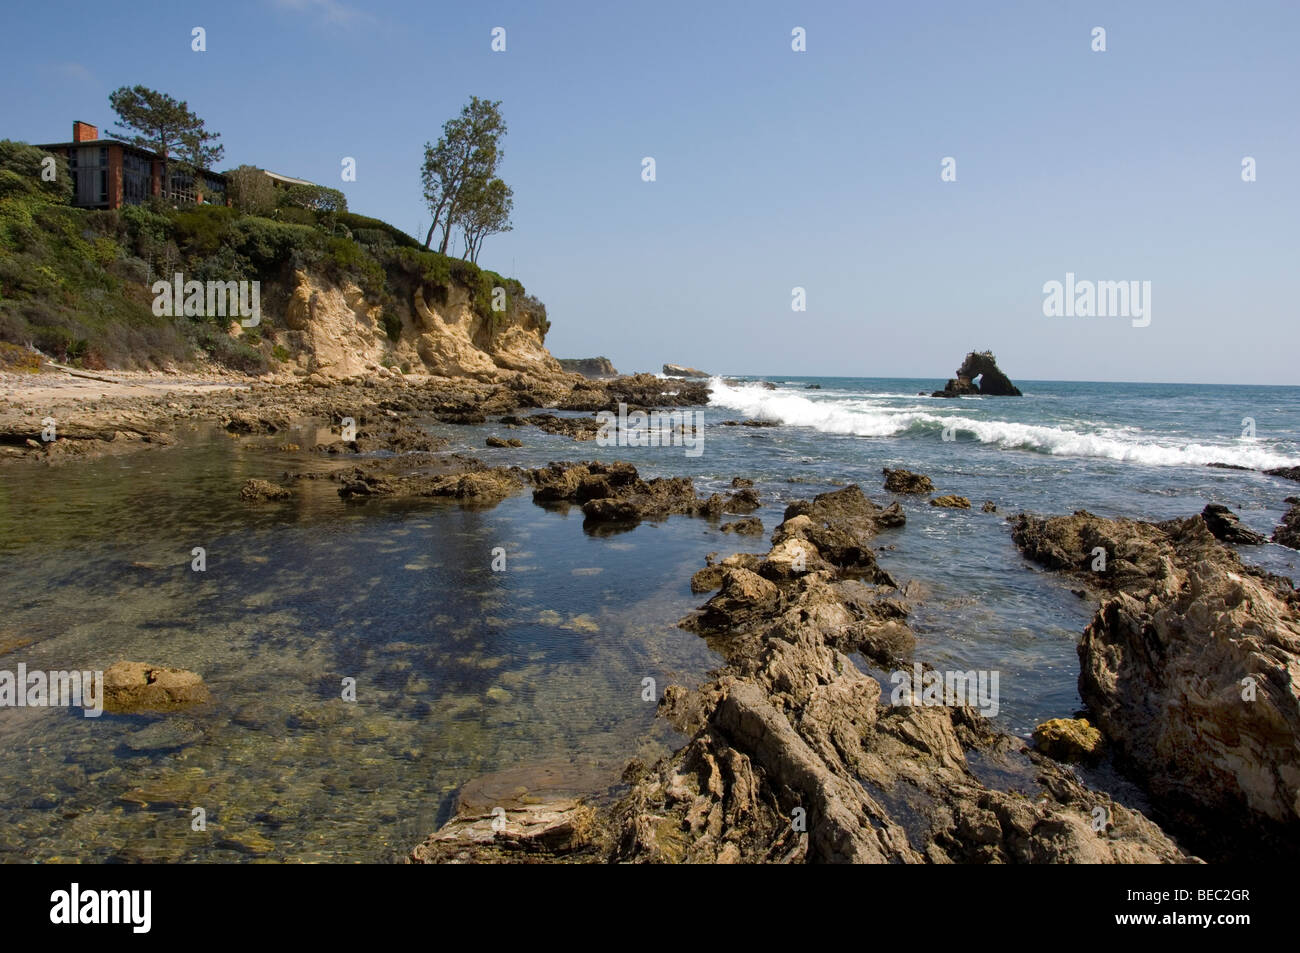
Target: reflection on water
[(459, 670)]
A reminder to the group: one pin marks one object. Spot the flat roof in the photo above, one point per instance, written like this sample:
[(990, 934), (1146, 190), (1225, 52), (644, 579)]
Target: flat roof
[(116, 142), (287, 178)]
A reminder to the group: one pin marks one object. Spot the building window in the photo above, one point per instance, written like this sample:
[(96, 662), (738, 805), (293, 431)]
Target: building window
[(137, 176)]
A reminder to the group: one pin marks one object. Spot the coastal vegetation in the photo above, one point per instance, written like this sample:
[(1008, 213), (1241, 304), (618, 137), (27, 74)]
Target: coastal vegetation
[(74, 283)]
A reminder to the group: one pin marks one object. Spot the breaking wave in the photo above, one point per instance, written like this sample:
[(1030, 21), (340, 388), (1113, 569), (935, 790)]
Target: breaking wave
[(865, 417)]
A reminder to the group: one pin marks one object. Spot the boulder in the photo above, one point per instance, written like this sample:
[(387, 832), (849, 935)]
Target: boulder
[(1068, 739), (254, 491), (951, 502), (904, 481)]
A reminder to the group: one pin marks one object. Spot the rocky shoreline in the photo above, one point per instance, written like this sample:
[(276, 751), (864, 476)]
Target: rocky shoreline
[(88, 425), (795, 753), (797, 749)]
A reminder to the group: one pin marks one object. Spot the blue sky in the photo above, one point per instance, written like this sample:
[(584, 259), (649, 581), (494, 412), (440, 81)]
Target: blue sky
[(778, 169)]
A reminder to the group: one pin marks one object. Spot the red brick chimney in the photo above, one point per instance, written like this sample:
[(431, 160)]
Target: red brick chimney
[(83, 132)]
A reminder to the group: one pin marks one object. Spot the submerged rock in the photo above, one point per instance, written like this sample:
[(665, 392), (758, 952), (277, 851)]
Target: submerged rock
[(951, 502), (137, 686), (254, 491), (251, 422)]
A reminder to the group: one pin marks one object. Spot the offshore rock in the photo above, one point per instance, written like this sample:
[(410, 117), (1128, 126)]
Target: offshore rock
[(981, 366)]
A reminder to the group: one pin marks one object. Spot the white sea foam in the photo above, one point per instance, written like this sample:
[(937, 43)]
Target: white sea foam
[(863, 417)]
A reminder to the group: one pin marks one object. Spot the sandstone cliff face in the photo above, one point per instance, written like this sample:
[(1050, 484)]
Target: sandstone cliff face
[(337, 331)]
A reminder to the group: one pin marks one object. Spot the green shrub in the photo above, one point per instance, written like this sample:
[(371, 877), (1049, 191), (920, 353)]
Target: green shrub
[(392, 325), (318, 198), (202, 230), (21, 168), (361, 222), (344, 258), (251, 190), (280, 353), (296, 216), (225, 350), (269, 245)]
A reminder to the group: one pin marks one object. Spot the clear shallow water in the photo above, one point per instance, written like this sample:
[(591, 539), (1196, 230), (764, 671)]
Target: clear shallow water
[(460, 670), (463, 671)]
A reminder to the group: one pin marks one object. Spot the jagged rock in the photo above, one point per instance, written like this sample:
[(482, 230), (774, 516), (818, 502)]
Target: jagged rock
[(1125, 552), (1225, 525), (992, 382), (794, 755), (590, 367), (501, 442), (989, 507), (466, 481), (1286, 473), (904, 481), (1068, 739), (248, 422), (613, 492), (1288, 531), (707, 579), (677, 370), (255, 490), (1189, 670), (840, 524), (636, 391), (951, 502), (137, 686), (750, 526), (791, 557), (579, 428)]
